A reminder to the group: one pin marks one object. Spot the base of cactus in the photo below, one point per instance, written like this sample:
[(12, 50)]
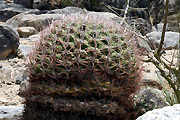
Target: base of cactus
[(38, 108), (41, 113)]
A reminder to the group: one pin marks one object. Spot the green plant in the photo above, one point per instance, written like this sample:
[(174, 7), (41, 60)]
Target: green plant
[(170, 97), (173, 76), (85, 65)]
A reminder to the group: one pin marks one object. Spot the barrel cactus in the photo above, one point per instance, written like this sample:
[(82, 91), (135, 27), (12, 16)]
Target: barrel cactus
[(84, 67)]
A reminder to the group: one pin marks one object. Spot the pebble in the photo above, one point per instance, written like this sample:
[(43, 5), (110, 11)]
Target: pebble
[(11, 112)]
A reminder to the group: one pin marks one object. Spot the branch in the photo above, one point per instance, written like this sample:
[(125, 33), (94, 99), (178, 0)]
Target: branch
[(126, 10), (163, 32)]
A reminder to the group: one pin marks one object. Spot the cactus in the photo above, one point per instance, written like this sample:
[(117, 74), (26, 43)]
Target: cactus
[(85, 65)]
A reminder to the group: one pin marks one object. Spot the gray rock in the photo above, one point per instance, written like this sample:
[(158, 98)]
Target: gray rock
[(165, 113), (27, 45), (13, 71), (37, 19), (148, 99), (13, 74), (173, 6), (35, 37), (2, 6), (32, 11), (39, 22), (143, 43), (142, 25), (159, 27), (8, 11), (25, 3), (170, 41), (42, 5), (67, 10), (23, 87), (1, 1), (24, 50), (3, 101), (22, 75), (11, 112), (9, 41)]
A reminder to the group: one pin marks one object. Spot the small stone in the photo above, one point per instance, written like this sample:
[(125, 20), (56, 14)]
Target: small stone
[(23, 87), (11, 112), (17, 65), (25, 32), (9, 83), (3, 100), (12, 64), (14, 61)]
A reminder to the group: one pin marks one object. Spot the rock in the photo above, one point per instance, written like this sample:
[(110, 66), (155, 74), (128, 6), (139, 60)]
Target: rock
[(23, 75), (8, 11), (42, 5), (39, 22), (148, 99), (11, 75), (25, 32), (150, 77), (67, 10), (9, 2), (9, 41), (13, 71), (173, 6), (25, 3), (2, 23), (23, 87), (143, 44), (10, 95), (1, 1), (27, 44), (35, 37), (3, 101), (172, 21), (142, 25), (11, 112), (170, 41), (157, 13), (159, 27), (38, 19), (165, 113), (33, 11)]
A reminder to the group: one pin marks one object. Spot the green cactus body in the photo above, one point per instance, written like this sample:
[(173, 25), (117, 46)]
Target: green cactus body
[(83, 56)]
